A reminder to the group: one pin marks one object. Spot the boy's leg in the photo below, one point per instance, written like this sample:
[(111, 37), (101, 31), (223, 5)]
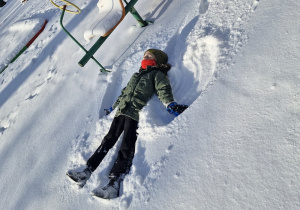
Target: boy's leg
[(123, 162), (108, 142), (127, 149), (2, 3)]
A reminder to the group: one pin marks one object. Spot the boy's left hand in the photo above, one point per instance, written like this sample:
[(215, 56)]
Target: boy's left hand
[(176, 109), (108, 111)]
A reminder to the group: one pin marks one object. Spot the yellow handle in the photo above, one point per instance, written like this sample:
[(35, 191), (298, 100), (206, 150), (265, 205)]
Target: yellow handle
[(67, 3)]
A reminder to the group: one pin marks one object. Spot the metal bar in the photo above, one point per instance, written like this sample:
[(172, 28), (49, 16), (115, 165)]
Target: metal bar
[(129, 8), (27, 45), (61, 19), (3, 69), (89, 54), (137, 16)]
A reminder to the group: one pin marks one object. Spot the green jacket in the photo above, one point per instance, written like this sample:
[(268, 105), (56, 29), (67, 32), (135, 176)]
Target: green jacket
[(141, 88)]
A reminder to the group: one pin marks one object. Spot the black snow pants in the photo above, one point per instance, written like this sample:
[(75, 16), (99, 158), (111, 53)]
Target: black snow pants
[(2, 3), (126, 152)]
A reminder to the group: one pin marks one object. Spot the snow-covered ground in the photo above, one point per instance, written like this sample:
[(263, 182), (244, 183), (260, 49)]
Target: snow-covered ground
[(235, 63)]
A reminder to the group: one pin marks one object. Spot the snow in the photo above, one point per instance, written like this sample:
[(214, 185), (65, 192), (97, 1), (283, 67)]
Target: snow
[(235, 63)]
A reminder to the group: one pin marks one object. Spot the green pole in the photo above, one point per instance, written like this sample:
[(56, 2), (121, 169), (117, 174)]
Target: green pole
[(3, 69), (61, 19), (137, 16), (15, 58), (129, 8), (89, 54), (61, 24), (26, 46)]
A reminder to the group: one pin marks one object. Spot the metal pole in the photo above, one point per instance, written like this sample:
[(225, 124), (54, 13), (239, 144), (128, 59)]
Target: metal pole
[(89, 54), (61, 19), (129, 8), (138, 17)]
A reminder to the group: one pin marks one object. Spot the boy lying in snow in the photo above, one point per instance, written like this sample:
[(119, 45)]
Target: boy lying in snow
[(151, 78)]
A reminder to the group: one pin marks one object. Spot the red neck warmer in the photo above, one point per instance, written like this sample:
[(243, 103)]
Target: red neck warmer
[(146, 63)]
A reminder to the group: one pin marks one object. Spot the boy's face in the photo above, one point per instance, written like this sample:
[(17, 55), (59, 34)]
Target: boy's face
[(148, 56)]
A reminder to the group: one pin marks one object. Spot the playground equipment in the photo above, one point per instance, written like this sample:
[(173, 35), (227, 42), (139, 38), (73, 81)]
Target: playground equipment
[(89, 54), (26, 46)]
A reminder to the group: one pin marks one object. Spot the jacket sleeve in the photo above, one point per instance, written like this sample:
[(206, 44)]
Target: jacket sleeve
[(163, 88), (119, 99)]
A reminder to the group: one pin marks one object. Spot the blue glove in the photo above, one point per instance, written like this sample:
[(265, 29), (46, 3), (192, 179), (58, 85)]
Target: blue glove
[(176, 109), (108, 111)]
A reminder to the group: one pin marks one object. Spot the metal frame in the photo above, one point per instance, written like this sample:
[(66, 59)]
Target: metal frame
[(90, 53)]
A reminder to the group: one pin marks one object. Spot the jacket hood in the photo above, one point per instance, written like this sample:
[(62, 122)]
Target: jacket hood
[(160, 56)]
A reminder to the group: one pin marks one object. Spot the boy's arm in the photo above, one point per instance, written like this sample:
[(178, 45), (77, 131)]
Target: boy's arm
[(118, 99), (163, 88)]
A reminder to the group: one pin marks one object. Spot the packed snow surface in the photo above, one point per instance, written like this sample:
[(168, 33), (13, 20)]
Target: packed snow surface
[(235, 63)]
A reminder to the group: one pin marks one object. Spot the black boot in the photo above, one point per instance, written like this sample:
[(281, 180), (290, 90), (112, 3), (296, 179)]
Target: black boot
[(80, 177), (109, 191), (2, 3)]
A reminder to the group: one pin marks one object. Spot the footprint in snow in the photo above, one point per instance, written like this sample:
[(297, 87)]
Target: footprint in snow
[(255, 4), (2, 129), (139, 185), (7, 121), (203, 6)]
